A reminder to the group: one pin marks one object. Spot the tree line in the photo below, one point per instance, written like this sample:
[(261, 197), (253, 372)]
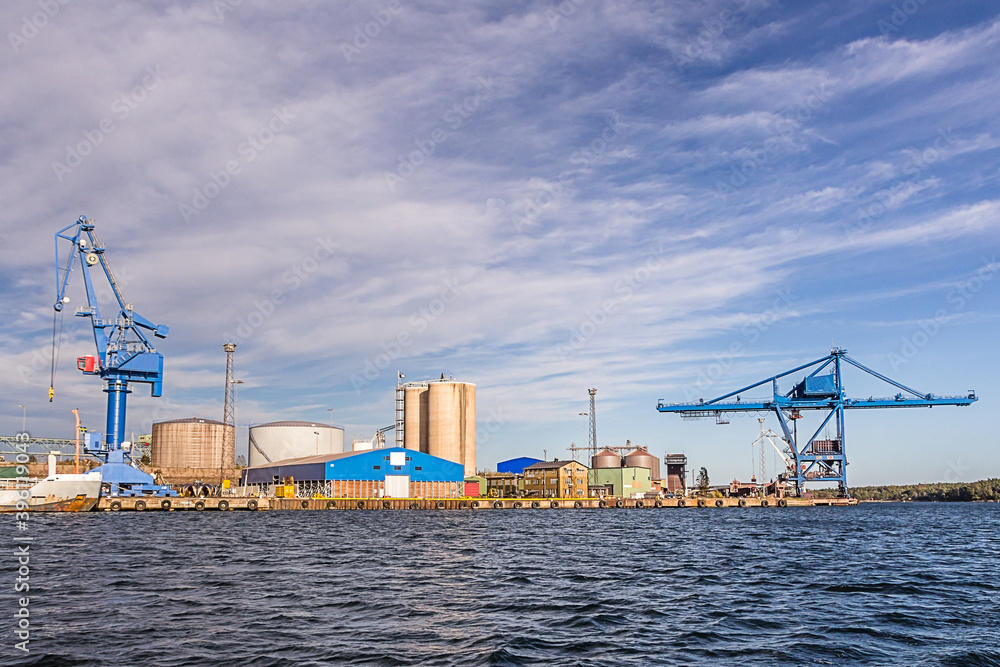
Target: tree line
[(983, 490)]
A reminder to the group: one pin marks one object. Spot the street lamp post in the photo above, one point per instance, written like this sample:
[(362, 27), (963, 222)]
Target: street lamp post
[(316, 433)]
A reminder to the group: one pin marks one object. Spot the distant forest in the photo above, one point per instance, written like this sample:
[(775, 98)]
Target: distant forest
[(987, 489)]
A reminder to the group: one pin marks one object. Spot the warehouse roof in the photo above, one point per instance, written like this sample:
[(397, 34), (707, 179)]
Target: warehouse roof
[(320, 458)]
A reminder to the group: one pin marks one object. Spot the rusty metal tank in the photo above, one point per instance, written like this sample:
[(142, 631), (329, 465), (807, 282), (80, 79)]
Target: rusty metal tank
[(606, 459), (187, 443), (640, 458)]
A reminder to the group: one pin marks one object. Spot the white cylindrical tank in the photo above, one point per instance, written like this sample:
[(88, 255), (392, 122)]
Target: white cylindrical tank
[(293, 440)]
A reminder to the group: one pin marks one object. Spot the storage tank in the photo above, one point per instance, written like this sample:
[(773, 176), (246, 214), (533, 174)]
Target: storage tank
[(187, 443), (293, 439), (640, 458), (439, 418), (606, 459), (415, 417)]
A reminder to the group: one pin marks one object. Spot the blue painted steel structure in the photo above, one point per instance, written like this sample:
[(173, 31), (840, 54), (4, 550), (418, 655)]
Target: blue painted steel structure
[(124, 354), (517, 466), (816, 461), (367, 465)]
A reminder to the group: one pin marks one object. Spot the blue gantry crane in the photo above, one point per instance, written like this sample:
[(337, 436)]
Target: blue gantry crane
[(818, 460), (124, 356)]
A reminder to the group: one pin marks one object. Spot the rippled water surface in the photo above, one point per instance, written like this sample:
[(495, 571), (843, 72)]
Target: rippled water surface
[(907, 584)]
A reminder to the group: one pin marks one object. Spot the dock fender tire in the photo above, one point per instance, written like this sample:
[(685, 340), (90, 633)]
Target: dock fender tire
[(414, 506), (765, 503), (475, 504), (116, 505), (251, 505), (742, 502), (658, 504), (200, 505), (165, 504), (782, 503), (719, 502), (619, 504), (639, 504), (602, 504), (440, 505), (554, 504), (682, 503), (223, 505), (702, 502), (304, 505), (535, 505), (498, 505), (386, 504), (577, 504), (361, 504), (330, 504), (140, 505), (518, 505)]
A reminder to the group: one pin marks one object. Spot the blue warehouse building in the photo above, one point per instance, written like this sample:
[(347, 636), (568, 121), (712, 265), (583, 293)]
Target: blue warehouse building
[(393, 472), (517, 466)]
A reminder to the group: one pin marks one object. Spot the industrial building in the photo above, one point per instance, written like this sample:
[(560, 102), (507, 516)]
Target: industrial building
[(556, 479), (439, 419), (517, 466), (282, 440), (676, 479), (620, 482), (185, 450), (504, 485), (393, 472)]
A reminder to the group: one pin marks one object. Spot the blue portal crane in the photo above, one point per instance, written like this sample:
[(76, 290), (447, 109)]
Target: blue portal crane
[(817, 460), (124, 353)]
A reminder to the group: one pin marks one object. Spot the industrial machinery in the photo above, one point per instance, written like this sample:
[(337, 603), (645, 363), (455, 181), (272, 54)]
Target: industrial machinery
[(124, 356), (817, 460)]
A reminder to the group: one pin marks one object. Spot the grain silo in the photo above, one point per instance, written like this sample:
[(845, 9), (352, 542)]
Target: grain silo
[(606, 459), (439, 418), (278, 441), (187, 443), (640, 458), (415, 419)]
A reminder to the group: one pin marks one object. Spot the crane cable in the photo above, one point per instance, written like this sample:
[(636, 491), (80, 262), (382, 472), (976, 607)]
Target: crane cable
[(55, 351)]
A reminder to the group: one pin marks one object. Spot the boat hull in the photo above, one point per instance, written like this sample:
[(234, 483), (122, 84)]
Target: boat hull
[(62, 493)]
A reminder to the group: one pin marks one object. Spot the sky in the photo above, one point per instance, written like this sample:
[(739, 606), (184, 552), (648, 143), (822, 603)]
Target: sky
[(657, 200)]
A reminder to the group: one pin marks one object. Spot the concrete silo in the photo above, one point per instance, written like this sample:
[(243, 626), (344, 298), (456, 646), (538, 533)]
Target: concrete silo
[(278, 441), (439, 419)]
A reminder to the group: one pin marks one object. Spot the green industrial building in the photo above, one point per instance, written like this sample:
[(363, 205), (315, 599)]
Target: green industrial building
[(622, 482)]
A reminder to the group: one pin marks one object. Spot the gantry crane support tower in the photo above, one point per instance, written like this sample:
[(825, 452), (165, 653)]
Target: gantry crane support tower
[(816, 461)]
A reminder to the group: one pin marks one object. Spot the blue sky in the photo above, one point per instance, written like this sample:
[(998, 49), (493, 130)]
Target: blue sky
[(658, 201)]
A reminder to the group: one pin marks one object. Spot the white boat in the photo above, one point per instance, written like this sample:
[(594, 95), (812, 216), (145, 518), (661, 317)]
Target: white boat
[(55, 493)]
